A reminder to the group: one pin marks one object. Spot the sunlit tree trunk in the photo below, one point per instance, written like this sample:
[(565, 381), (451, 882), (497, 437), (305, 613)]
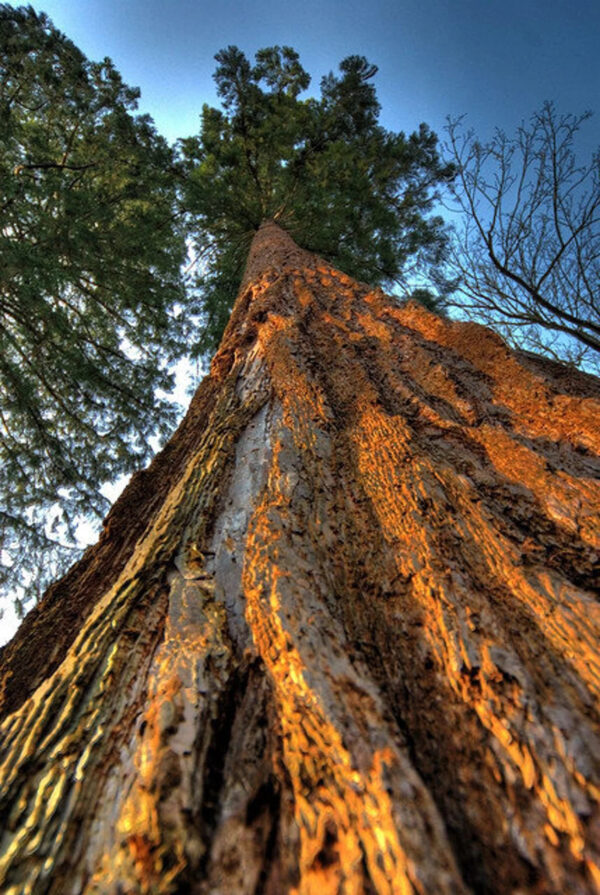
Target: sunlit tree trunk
[(341, 637)]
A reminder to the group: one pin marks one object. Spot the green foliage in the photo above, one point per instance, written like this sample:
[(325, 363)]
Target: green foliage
[(429, 300), (324, 168), (89, 281)]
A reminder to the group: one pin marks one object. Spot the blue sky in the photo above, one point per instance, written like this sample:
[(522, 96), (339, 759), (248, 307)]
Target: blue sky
[(494, 60)]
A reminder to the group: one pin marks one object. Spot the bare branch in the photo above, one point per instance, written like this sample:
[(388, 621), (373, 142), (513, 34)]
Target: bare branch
[(528, 248)]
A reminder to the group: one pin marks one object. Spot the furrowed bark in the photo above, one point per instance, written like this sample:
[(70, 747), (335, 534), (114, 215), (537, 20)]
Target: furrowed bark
[(347, 638)]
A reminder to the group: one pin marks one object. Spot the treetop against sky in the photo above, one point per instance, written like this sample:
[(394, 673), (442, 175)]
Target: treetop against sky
[(497, 62)]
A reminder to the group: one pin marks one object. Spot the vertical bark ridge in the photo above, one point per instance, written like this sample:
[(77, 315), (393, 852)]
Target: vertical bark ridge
[(354, 649)]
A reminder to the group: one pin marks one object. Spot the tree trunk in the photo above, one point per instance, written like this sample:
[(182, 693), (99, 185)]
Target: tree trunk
[(341, 637)]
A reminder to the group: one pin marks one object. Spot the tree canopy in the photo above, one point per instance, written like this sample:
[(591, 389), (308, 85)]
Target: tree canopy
[(89, 285), (324, 167)]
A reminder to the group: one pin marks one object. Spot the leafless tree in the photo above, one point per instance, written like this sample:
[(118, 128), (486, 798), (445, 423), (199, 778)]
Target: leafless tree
[(528, 242)]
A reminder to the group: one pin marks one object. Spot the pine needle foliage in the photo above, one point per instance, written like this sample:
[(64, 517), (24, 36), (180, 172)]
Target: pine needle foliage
[(89, 288), (324, 167)]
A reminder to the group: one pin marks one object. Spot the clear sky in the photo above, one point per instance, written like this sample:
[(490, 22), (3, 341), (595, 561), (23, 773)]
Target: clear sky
[(495, 60)]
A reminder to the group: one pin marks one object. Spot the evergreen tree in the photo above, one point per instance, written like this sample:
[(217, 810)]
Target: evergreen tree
[(89, 281), (345, 187)]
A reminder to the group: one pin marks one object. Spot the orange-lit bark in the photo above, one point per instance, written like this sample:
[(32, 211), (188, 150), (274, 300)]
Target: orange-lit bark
[(342, 637)]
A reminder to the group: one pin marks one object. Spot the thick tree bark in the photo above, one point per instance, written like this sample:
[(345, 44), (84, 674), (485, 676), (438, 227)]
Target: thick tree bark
[(341, 637)]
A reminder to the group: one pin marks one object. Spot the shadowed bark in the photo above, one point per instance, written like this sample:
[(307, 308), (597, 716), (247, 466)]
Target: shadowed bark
[(341, 637)]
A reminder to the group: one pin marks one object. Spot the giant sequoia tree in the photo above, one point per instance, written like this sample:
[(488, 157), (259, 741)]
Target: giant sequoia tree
[(92, 242), (340, 637)]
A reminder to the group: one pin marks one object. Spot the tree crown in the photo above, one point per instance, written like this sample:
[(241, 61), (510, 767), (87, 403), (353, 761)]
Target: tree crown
[(324, 168)]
